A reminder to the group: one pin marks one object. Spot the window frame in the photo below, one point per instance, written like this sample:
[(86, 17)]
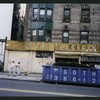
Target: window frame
[(40, 36), (87, 36), (44, 54), (49, 17), (84, 17), (42, 17), (67, 18), (65, 37), (34, 37), (35, 15), (48, 35)]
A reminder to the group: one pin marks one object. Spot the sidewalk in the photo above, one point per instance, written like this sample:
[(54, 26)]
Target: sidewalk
[(29, 77)]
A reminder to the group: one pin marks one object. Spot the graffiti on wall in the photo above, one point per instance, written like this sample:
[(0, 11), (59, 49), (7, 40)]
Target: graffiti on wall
[(25, 64)]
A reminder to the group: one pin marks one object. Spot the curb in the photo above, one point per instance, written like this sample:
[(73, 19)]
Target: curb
[(21, 80)]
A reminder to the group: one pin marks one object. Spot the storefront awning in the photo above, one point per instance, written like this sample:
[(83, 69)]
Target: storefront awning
[(76, 53)]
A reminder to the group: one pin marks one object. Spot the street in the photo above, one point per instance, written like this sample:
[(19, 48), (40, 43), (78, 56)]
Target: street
[(25, 88)]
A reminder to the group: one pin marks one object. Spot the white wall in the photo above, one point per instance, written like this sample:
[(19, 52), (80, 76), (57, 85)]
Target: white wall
[(6, 15), (28, 61)]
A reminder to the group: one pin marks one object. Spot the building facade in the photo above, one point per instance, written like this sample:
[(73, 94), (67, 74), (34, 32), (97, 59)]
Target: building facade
[(76, 23), (18, 22), (64, 23), (54, 32), (40, 19)]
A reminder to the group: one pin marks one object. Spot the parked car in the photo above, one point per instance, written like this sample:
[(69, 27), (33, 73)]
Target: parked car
[(1, 65)]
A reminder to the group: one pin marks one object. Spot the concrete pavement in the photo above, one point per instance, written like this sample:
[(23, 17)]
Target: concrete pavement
[(29, 77)]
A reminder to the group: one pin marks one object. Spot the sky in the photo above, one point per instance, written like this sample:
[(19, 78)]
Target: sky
[(22, 10)]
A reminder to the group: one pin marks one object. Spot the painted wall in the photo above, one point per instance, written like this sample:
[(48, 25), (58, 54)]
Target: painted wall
[(28, 61)]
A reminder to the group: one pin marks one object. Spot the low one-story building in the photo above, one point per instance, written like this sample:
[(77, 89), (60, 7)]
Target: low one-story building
[(32, 55)]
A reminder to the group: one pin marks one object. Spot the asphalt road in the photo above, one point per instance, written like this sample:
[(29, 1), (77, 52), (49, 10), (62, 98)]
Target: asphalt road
[(32, 89)]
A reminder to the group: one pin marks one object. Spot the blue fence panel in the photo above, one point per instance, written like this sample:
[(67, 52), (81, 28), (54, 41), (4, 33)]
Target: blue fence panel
[(93, 72), (64, 78), (98, 76), (92, 80), (56, 70), (66, 74), (56, 77), (65, 71), (79, 80), (98, 72), (84, 79), (46, 73), (83, 75), (98, 80), (47, 76), (71, 75), (47, 69), (74, 79), (56, 74), (60, 74), (84, 72), (51, 77), (74, 75), (43, 74), (74, 71)]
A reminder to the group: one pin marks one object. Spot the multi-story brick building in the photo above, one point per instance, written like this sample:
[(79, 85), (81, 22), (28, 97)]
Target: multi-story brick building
[(68, 23), (64, 23)]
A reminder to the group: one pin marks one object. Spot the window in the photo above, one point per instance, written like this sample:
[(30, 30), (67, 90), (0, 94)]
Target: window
[(40, 32), (34, 32), (48, 35), (84, 37), (65, 36), (49, 14), (42, 14), (42, 54), (66, 15), (85, 15), (40, 35), (35, 14), (34, 35)]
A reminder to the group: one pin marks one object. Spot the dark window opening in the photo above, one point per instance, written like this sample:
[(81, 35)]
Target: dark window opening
[(48, 35), (66, 60), (44, 54), (66, 15), (65, 37), (85, 15), (84, 37)]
